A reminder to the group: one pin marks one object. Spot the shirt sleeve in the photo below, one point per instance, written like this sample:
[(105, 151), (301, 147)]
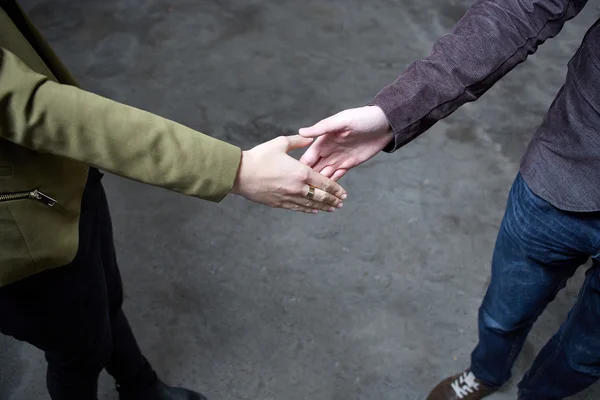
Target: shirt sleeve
[(488, 42)]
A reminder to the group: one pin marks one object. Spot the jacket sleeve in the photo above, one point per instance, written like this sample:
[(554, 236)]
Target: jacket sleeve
[(65, 121), (488, 42)]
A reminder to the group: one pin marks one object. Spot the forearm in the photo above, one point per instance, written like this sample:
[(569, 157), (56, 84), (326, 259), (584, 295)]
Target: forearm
[(66, 121), (487, 43)]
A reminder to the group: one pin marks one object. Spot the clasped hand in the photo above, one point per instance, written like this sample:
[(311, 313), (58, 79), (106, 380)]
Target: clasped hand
[(268, 175), (346, 139)]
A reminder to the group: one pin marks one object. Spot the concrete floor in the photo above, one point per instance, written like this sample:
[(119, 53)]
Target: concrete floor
[(377, 301)]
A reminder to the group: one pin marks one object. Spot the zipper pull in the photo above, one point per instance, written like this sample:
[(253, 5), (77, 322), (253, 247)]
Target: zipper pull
[(47, 200)]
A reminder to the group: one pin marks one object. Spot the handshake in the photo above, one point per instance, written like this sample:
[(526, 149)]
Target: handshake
[(268, 175)]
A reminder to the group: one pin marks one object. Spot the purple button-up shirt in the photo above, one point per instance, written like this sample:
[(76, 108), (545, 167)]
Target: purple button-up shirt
[(562, 162)]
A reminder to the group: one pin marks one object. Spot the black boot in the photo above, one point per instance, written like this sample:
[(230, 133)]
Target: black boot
[(159, 391)]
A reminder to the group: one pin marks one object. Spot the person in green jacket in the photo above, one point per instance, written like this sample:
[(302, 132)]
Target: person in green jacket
[(60, 287)]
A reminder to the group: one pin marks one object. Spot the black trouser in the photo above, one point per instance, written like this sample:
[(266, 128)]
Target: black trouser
[(74, 314)]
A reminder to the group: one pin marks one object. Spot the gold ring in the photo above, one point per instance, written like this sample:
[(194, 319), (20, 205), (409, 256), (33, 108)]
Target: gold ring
[(311, 192)]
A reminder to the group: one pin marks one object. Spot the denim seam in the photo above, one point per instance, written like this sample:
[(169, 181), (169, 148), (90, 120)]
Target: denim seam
[(515, 347), (511, 356), (560, 338)]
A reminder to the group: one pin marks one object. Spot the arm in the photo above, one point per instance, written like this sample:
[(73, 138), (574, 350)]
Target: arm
[(65, 121), (488, 42)]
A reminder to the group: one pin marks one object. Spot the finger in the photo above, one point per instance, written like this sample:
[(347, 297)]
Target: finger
[(323, 163), (320, 200), (310, 157), (294, 206), (327, 171), (312, 204), (297, 142), (326, 199), (335, 123), (321, 182), (338, 174)]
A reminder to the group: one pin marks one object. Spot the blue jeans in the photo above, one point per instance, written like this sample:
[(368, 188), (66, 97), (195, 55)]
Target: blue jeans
[(538, 249)]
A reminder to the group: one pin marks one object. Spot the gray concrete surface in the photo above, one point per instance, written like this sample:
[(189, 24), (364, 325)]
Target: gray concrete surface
[(377, 301)]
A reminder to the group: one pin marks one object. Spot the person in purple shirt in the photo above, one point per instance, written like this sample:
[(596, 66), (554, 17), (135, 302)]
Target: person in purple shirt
[(552, 220)]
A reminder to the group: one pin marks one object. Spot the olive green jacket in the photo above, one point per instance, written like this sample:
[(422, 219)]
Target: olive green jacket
[(51, 131)]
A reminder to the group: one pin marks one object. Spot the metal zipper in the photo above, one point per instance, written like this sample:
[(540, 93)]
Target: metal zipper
[(34, 195)]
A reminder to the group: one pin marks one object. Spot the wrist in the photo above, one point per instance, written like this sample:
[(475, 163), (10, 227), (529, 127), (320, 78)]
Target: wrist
[(379, 119), (238, 183), (382, 121)]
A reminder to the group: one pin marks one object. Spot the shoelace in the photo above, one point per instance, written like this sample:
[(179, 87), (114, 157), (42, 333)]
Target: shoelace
[(465, 384)]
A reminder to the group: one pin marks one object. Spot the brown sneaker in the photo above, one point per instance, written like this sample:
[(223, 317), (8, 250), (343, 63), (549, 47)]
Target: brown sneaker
[(463, 386)]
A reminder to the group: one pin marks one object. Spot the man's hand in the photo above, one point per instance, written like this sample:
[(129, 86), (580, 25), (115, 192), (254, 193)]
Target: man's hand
[(268, 175), (346, 140)]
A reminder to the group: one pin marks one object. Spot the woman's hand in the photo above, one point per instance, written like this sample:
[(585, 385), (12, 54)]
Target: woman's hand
[(268, 175), (346, 139)]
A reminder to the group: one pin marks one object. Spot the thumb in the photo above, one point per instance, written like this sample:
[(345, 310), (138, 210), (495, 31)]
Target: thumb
[(297, 142), (335, 123)]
